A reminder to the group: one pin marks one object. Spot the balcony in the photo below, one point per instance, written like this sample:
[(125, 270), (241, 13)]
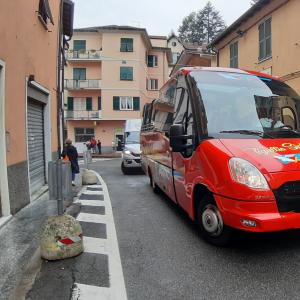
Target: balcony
[(83, 55), (84, 84), (83, 114)]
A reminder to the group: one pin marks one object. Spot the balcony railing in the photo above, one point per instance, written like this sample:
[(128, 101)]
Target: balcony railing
[(83, 114), (87, 84), (83, 55)]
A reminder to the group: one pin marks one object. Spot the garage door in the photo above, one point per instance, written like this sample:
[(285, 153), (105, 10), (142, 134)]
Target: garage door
[(35, 125)]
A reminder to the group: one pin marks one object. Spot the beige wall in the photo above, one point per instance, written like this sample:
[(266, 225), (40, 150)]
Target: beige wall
[(93, 40), (111, 85), (159, 42), (285, 41), (26, 48), (93, 69)]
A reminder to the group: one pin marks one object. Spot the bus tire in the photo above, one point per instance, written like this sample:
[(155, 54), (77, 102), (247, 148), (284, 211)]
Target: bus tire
[(210, 222)]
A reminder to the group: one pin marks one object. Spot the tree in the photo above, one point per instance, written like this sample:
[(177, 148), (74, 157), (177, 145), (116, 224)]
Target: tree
[(202, 26)]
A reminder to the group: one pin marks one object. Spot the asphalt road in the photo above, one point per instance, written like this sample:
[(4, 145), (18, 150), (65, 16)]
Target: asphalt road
[(163, 256)]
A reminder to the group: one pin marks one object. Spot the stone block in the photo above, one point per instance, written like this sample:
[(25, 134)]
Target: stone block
[(61, 237), (89, 177)]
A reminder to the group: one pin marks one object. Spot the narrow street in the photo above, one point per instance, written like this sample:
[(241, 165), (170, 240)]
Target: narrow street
[(163, 256)]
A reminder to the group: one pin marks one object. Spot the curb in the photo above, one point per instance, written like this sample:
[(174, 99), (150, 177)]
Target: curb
[(33, 267)]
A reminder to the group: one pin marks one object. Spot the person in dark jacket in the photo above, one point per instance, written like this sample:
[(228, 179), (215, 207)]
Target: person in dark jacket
[(70, 153)]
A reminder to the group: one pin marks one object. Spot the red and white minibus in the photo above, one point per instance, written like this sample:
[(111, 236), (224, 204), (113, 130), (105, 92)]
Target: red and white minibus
[(224, 144)]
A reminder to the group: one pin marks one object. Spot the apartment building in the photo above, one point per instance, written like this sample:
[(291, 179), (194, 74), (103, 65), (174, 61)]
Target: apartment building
[(30, 32), (111, 72), (266, 38)]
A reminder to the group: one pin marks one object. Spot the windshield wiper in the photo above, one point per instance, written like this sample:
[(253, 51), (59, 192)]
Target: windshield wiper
[(248, 132)]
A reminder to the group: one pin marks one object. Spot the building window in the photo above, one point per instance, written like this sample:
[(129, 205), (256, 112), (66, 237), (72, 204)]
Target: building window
[(152, 60), (79, 45), (99, 103), (83, 134), (126, 45), (79, 73), (234, 55), (89, 103), (126, 103), (265, 39), (70, 103), (126, 73), (153, 84), (44, 13), (174, 44)]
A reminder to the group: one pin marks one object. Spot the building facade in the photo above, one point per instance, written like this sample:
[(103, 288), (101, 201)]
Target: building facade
[(111, 72), (28, 96), (176, 46), (266, 39)]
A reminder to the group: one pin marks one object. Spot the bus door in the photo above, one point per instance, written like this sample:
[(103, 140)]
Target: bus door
[(182, 161)]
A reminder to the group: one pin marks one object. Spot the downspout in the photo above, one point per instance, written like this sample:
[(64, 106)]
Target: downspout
[(59, 83)]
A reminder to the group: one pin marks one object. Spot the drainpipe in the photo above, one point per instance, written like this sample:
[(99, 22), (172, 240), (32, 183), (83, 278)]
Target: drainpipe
[(59, 83)]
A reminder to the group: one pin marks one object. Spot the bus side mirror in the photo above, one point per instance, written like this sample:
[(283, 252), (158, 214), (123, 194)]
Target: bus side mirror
[(178, 140)]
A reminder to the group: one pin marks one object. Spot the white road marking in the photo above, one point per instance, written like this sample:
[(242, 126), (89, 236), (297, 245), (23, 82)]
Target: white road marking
[(117, 290), (95, 245), (90, 292), (90, 202), (92, 193), (92, 218), (94, 186)]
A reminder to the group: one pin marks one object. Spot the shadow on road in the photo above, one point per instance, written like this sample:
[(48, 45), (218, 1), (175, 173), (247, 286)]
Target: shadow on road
[(245, 242)]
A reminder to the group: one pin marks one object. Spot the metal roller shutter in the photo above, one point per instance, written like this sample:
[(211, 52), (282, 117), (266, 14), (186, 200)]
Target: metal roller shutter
[(35, 125)]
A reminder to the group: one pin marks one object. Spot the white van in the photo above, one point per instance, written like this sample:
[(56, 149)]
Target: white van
[(131, 153)]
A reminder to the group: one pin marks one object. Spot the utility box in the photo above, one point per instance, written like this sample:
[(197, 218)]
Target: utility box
[(60, 169)]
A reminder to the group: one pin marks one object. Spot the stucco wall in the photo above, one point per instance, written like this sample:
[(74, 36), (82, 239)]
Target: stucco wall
[(285, 41), (159, 42), (93, 40), (93, 69), (29, 50)]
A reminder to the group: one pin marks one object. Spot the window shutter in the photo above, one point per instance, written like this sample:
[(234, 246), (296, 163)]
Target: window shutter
[(126, 45), (99, 103), (136, 103), (116, 103), (79, 45), (126, 73), (89, 103), (70, 103)]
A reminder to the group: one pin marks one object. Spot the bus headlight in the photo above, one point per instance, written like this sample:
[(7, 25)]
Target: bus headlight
[(245, 173)]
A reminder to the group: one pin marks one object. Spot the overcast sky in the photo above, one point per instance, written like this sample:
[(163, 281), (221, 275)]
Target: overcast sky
[(159, 17)]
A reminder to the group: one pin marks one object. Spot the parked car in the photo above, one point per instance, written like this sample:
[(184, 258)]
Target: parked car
[(131, 155), (224, 144)]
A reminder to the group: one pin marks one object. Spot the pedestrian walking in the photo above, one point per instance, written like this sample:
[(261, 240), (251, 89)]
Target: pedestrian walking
[(93, 144), (70, 153), (99, 146)]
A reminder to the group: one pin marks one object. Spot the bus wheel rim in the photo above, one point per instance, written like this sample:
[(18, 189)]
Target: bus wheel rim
[(212, 220)]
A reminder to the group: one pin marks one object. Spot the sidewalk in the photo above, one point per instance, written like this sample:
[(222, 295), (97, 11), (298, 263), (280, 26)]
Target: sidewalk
[(19, 241)]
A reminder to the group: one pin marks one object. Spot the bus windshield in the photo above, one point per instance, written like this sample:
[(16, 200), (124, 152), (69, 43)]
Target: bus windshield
[(241, 103)]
